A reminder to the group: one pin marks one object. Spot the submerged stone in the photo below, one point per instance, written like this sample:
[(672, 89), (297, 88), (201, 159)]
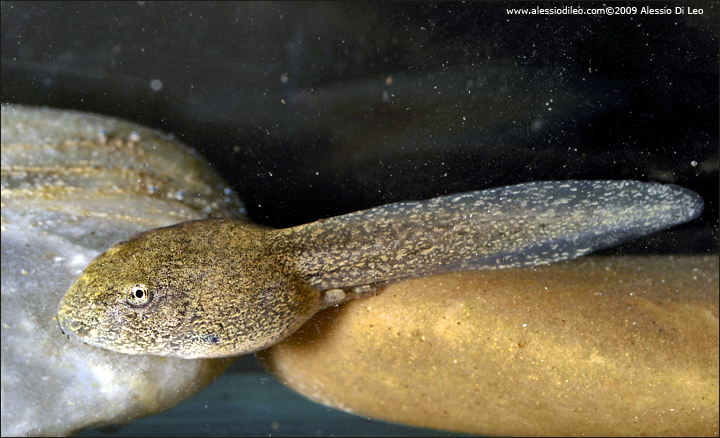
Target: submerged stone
[(596, 346), (72, 185)]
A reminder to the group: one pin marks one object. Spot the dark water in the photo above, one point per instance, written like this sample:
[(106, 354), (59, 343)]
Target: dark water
[(311, 110), (255, 404)]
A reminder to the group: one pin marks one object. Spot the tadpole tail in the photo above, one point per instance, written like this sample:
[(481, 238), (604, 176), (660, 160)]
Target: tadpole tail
[(523, 225)]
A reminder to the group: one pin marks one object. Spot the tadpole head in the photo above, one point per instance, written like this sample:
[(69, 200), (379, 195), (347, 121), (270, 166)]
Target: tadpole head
[(198, 289), (119, 303)]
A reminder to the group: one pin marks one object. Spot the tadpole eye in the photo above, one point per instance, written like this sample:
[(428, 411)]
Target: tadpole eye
[(138, 295)]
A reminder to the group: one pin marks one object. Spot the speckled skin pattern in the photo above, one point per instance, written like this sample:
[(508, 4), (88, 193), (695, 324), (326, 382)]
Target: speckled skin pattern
[(225, 287)]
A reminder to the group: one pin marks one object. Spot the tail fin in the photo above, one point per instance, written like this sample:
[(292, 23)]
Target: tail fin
[(523, 225)]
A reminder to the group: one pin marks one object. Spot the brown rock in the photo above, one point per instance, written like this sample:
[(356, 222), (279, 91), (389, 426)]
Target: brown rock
[(598, 346)]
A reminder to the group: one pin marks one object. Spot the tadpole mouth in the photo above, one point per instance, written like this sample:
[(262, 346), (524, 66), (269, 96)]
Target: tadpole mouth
[(69, 322), (69, 326)]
